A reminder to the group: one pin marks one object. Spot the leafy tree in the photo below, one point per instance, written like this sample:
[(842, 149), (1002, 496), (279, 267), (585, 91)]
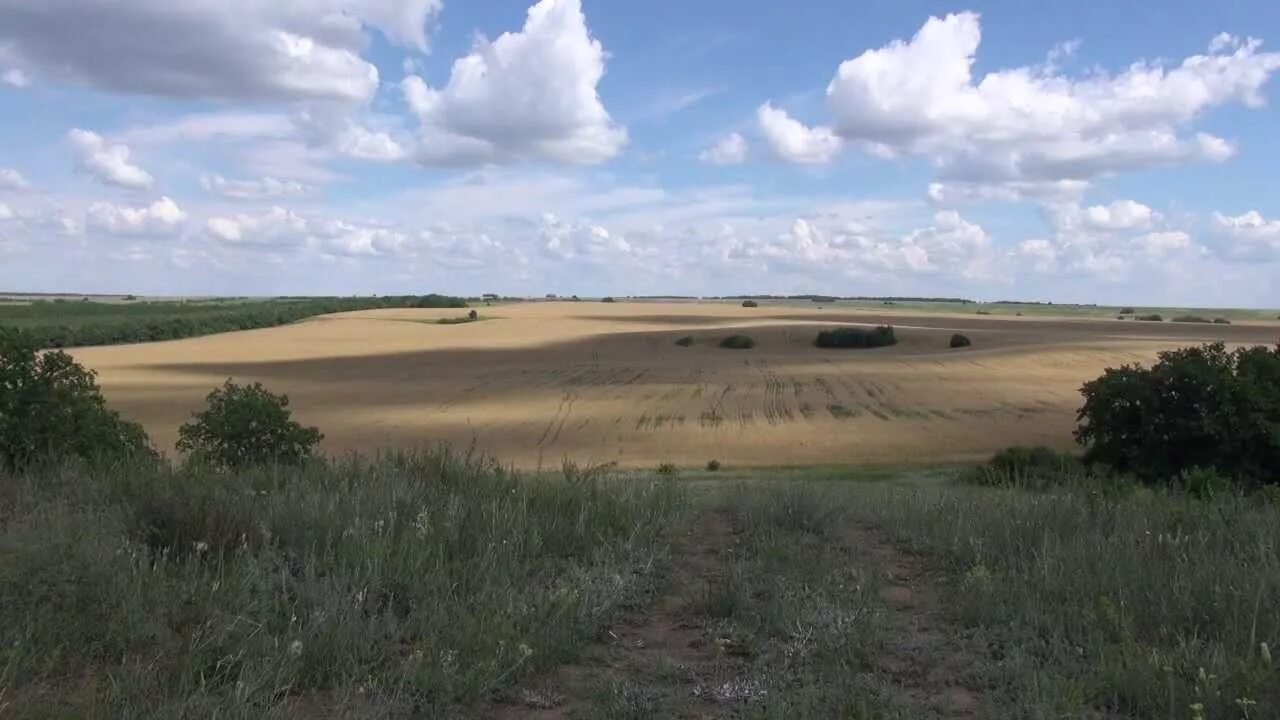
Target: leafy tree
[(750, 303), (51, 407), (959, 341), (852, 337), (738, 342), (1200, 407), (246, 425)]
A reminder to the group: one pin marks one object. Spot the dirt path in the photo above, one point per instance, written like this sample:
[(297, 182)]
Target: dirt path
[(654, 661), (933, 668), (665, 660)]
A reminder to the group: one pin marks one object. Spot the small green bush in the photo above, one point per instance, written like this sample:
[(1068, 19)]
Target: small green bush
[(607, 299), (685, 341), (51, 408), (738, 342), (1127, 311), (713, 466), (1029, 466), (1190, 319), (750, 303), (852, 337), (1149, 318), (668, 469), (959, 341), (244, 426), (1221, 321)]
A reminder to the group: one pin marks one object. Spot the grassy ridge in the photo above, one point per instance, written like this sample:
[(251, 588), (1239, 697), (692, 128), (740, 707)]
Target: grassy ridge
[(68, 324), (409, 585)]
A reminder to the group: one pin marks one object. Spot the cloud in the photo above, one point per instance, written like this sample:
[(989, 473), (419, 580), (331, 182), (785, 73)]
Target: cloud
[(1108, 242), (6, 213), (730, 150), (1025, 126), (526, 95), (1248, 236), (15, 78), (792, 141), (108, 163), (357, 141), (263, 189), (1159, 244), (1118, 215), (210, 126), (213, 48), (273, 228), (162, 217), (11, 179), (352, 239)]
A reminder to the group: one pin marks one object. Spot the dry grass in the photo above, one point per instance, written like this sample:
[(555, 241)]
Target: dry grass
[(606, 383)]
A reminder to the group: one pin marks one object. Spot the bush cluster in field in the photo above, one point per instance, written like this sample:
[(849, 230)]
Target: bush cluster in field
[(852, 337), (67, 324), (738, 342)]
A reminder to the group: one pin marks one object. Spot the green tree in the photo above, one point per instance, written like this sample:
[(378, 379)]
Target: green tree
[(246, 425), (1200, 407), (51, 407)]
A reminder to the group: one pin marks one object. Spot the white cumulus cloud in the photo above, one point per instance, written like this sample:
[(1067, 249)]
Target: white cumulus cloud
[(793, 141), (11, 179), (530, 94), (109, 163), (162, 217), (275, 227), (1020, 127), (15, 78), (729, 150), (213, 48), (1248, 236)]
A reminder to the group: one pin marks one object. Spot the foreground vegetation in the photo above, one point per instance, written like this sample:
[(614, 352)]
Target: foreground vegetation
[(60, 323)]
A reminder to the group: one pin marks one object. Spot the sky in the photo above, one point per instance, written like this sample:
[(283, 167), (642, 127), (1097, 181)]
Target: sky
[(1066, 152)]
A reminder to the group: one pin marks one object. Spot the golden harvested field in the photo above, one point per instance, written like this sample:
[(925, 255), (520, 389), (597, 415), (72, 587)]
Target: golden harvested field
[(597, 382)]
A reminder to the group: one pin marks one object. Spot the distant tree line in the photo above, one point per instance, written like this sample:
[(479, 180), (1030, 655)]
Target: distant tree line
[(77, 324)]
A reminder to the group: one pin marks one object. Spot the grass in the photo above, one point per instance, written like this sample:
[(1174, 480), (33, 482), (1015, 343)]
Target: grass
[(416, 584), (1145, 605)]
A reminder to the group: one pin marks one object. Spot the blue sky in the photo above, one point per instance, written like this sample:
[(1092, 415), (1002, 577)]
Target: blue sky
[(1063, 151)]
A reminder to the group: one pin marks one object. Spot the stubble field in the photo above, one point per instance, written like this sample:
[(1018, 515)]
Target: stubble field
[(536, 383)]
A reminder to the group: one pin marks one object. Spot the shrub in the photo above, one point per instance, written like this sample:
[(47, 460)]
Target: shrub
[(668, 469), (1149, 318), (51, 407), (1127, 311), (851, 337), (713, 466), (1190, 319), (1029, 466), (685, 341), (738, 342), (959, 341), (750, 303), (473, 315), (1221, 321), (1200, 407), (246, 425), (607, 299), (983, 312)]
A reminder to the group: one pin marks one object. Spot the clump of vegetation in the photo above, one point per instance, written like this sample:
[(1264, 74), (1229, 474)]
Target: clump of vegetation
[(685, 341), (983, 312), (1200, 407), (1190, 319), (1029, 467), (1127, 311), (960, 341), (51, 409), (607, 299), (245, 426), (1221, 321), (738, 342), (750, 303), (852, 337), (668, 469), (713, 466), (470, 317), (1154, 317)]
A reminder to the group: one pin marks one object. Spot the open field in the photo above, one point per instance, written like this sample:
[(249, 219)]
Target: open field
[(605, 382)]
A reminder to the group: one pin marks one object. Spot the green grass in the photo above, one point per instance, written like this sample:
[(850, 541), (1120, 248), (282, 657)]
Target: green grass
[(411, 585)]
